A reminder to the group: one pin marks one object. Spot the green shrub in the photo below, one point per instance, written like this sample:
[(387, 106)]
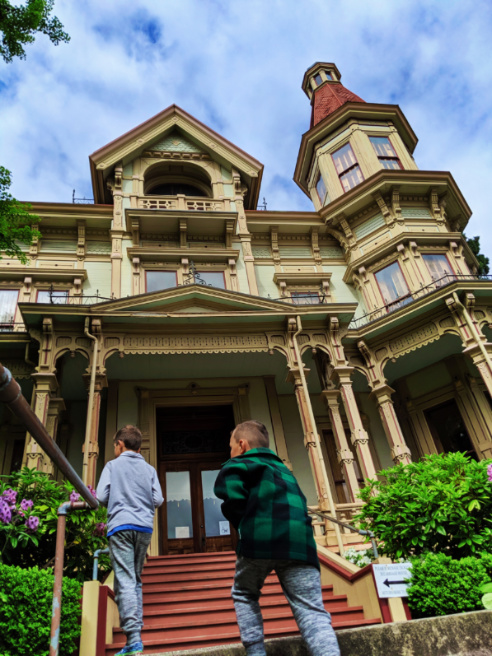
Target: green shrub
[(441, 585), (26, 597), (27, 546), (441, 504)]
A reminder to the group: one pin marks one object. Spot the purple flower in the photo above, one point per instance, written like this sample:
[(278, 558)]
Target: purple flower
[(75, 496), (489, 472), (32, 524), (10, 496), (92, 491), (26, 504), (5, 512), (100, 528)]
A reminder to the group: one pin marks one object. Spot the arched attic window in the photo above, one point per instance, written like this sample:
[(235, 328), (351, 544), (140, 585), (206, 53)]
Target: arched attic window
[(173, 179)]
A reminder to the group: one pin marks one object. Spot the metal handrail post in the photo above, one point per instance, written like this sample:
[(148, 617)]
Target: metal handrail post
[(63, 510), (97, 553)]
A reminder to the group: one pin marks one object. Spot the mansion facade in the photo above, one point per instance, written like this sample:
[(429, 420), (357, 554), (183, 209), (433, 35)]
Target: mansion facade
[(359, 333)]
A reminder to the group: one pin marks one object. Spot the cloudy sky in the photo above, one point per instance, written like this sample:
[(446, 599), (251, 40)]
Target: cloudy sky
[(237, 65)]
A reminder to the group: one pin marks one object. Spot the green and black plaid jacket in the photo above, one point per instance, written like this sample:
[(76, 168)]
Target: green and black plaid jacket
[(263, 501)]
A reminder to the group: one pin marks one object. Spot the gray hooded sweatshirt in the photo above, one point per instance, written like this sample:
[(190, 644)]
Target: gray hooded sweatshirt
[(129, 487)]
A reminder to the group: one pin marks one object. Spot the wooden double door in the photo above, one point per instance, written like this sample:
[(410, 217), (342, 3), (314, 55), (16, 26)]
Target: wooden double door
[(193, 444)]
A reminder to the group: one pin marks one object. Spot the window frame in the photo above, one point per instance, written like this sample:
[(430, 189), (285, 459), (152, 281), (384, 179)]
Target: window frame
[(66, 296), (205, 271), (353, 167), (304, 293), (319, 178), (452, 272), (8, 326), (384, 158)]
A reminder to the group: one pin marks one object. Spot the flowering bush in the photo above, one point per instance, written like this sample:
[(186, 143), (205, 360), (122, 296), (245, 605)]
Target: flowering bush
[(29, 501), (360, 558)]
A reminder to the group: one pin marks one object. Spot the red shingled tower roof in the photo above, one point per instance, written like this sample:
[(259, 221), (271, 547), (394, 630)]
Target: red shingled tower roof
[(322, 85), (329, 97)]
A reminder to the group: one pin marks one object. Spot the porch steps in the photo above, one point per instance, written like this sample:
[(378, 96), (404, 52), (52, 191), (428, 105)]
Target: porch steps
[(188, 606)]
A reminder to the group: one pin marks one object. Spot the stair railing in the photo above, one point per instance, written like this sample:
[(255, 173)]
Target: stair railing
[(11, 395), (360, 531)]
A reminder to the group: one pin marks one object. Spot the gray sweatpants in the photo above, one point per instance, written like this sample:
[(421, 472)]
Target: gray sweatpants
[(301, 584), (128, 550)]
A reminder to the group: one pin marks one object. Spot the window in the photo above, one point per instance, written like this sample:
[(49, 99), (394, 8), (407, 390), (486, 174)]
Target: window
[(156, 280), (347, 167), (439, 268), (318, 80), (385, 152), (8, 306), (213, 278), (448, 429), (321, 189), (175, 188), (305, 298), (393, 287), (52, 296)]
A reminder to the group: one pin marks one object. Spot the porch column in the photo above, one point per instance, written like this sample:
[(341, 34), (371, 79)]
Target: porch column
[(278, 428), (474, 341), (358, 435), (344, 454), (56, 406), (399, 450), (486, 413), (311, 440), (89, 472), (45, 384)]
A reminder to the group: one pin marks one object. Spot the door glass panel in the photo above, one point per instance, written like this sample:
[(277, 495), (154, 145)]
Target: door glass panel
[(215, 522), (178, 504), (448, 429)]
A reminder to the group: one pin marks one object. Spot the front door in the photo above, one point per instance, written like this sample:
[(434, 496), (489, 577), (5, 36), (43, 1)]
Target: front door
[(193, 443)]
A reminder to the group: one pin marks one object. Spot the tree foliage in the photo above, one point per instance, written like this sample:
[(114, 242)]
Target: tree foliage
[(16, 223), (19, 25), (441, 504), (483, 262)]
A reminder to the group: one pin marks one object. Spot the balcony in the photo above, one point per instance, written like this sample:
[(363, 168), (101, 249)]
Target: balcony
[(186, 203), (410, 298)]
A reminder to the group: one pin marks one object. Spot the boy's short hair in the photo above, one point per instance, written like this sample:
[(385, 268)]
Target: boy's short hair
[(130, 436), (254, 432)]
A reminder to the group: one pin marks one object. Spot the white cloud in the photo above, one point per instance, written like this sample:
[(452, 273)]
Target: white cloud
[(237, 65)]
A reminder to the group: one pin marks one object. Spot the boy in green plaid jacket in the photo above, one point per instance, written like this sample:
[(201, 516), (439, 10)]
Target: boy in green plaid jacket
[(263, 501)]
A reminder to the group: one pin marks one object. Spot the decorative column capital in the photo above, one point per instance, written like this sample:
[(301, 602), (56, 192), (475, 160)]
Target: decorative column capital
[(401, 453), (382, 394), (359, 436)]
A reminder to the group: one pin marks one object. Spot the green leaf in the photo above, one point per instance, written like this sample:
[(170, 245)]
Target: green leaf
[(487, 601), (473, 504), (486, 587)]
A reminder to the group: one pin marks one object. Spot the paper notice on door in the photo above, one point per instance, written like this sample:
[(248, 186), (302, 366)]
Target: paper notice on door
[(182, 531), (224, 528)]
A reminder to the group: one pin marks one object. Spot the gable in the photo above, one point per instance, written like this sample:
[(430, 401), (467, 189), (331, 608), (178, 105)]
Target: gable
[(161, 132)]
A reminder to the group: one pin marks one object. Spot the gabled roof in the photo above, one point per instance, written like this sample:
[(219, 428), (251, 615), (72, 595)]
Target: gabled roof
[(132, 144)]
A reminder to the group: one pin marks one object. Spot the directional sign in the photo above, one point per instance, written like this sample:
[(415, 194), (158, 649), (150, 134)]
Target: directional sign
[(390, 579)]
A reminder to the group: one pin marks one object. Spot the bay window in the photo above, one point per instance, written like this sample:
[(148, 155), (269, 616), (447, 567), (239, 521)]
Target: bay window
[(439, 268), (347, 167), (393, 286), (321, 190)]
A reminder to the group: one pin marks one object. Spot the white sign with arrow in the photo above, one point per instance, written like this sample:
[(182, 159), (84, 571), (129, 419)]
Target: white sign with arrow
[(390, 579)]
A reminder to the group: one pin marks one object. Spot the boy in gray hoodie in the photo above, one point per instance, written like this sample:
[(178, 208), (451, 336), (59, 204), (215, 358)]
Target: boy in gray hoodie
[(129, 487)]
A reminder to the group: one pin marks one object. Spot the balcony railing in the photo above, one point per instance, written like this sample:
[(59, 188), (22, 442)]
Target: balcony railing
[(409, 298), (182, 202)]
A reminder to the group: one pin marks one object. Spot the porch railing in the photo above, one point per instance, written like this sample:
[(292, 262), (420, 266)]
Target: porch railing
[(411, 297), (329, 518), (11, 395), (182, 202)]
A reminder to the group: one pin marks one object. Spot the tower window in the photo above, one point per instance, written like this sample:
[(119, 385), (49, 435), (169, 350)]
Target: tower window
[(318, 79), (347, 167), (321, 190), (385, 152), (439, 268)]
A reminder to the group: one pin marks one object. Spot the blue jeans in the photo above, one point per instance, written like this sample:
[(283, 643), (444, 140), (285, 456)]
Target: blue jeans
[(301, 584), (128, 550)]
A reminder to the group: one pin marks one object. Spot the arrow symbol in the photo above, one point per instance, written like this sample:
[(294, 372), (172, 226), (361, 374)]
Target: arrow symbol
[(388, 583)]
